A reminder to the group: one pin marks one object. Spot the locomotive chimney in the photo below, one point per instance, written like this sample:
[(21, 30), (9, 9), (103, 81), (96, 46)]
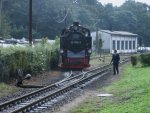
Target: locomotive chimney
[(75, 23)]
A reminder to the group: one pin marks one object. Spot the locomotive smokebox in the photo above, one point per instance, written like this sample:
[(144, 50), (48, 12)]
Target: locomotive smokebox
[(75, 23)]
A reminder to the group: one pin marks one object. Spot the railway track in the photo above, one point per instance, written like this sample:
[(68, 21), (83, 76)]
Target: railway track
[(48, 96)]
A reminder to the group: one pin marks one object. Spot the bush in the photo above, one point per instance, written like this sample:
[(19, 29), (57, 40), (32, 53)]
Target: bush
[(54, 59), (145, 59), (134, 60), (30, 59)]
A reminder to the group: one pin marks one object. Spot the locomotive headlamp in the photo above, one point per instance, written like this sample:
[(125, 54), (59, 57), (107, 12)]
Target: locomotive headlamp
[(61, 51), (89, 51), (86, 34)]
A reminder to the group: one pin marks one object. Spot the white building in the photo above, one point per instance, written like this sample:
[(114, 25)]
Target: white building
[(123, 42)]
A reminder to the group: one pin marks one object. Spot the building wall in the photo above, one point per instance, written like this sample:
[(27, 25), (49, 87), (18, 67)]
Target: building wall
[(127, 47), (108, 38), (93, 34)]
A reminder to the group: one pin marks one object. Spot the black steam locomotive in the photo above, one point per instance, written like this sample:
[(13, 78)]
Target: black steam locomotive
[(75, 46)]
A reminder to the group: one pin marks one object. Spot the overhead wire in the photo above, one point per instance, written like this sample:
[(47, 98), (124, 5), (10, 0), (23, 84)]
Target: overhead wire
[(64, 17)]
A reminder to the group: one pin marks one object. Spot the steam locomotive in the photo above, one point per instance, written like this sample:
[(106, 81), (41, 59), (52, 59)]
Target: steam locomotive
[(75, 46)]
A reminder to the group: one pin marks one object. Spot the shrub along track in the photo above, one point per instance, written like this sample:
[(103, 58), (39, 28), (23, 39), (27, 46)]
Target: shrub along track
[(54, 94)]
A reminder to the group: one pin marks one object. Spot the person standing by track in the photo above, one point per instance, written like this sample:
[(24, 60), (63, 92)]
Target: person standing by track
[(115, 60)]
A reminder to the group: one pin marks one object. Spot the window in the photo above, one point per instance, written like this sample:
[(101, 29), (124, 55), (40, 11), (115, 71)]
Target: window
[(118, 45), (126, 44), (114, 45), (133, 44), (130, 45), (122, 45)]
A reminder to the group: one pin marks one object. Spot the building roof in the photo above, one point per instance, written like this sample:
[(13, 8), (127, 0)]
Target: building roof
[(119, 33)]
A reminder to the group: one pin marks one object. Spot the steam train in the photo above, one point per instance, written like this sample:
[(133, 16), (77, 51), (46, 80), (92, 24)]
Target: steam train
[(75, 46)]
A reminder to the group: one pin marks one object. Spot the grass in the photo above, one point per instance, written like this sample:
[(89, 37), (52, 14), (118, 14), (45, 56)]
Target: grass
[(6, 89), (131, 94)]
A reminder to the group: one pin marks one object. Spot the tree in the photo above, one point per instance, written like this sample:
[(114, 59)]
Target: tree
[(49, 17), (106, 15), (0, 12), (124, 21), (141, 12), (5, 28)]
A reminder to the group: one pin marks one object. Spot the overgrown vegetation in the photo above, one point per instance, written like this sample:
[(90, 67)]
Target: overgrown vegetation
[(130, 94), (145, 59), (30, 59), (134, 60), (7, 89)]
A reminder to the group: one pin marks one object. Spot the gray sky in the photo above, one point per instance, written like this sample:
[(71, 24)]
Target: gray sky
[(120, 2)]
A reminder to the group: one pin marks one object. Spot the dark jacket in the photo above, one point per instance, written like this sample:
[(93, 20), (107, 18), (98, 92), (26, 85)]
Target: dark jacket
[(115, 58)]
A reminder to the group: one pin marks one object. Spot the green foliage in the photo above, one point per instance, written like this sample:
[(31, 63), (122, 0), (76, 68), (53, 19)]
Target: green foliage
[(55, 53), (7, 89), (19, 32), (54, 59), (124, 20), (48, 17), (140, 12), (30, 59), (44, 41), (5, 28), (57, 42), (134, 60), (130, 94), (145, 59)]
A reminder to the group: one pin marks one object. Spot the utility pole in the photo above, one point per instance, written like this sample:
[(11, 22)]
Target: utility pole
[(97, 35), (0, 13), (66, 17), (30, 22), (97, 41)]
